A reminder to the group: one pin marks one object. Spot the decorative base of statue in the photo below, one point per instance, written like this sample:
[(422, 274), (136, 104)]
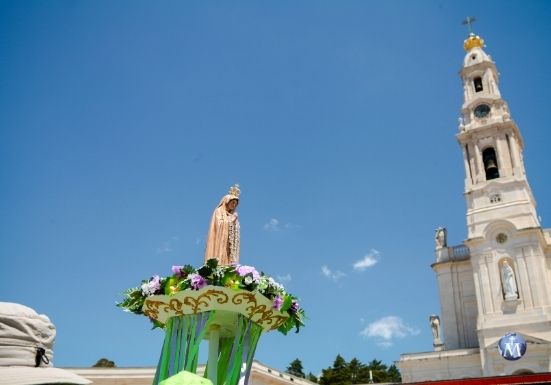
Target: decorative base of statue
[(232, 322), (230, 306)]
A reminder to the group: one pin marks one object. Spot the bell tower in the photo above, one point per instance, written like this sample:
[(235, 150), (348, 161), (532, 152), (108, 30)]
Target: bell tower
[(495, 178), (509, 251)]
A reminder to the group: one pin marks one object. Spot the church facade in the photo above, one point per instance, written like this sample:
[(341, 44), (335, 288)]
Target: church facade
[(499, 280)]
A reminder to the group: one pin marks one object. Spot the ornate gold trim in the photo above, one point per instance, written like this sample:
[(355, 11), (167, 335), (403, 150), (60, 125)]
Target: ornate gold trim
[(205, 299), (252, 305)]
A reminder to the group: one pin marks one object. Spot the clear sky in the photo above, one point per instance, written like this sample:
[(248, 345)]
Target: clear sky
[(122, 123)]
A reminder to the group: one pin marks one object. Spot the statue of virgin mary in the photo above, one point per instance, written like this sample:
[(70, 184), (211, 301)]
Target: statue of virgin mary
[(223, 236)]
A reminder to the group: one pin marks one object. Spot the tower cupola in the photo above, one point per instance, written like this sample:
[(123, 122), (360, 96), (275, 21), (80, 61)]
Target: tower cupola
[(479, 75)]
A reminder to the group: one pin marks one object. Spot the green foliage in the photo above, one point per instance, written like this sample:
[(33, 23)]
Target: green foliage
[(312, 378), (206, 270), (378, 369), (295, 368), (297, 321), (394, 374), (287, 302), (355, 372), (358, 372), (339, 374), (187, 270), (104, 363), (212, 263), (339, 363), (133, 301), (286, 326)]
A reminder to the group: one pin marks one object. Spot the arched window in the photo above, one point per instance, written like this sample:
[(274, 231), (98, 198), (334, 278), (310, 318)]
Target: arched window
[(490, 163), (478, 84)]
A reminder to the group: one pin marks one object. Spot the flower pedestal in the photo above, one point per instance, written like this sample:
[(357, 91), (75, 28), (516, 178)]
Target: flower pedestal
[(232, 320), (228, 305)]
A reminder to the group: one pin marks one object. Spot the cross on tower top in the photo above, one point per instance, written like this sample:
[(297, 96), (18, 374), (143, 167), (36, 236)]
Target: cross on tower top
[(468, 21)]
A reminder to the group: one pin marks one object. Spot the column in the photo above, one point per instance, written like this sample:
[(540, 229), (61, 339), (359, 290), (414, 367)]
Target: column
[(503, 157), (480, 176), (469, 177), (515, 154)]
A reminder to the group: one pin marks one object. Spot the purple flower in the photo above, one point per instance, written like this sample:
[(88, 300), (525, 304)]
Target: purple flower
[(278, 301), (177, 270), (294, 306), (243, 270), (197, 282)]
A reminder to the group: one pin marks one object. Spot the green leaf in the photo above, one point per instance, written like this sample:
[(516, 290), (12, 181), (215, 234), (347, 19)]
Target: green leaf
[(188, 269), (287, 302), (205, 271), (287, 325), (212, 263)]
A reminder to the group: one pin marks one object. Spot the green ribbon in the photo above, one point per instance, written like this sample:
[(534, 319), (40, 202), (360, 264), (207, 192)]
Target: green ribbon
[(183, 336), (180, 353)]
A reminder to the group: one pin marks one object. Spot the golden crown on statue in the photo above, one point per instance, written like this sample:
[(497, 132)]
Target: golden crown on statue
[(235, 191)]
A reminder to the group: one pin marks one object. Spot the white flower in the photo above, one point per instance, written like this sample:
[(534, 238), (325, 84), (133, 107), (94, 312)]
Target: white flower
[(275, 285), (263, 283), (145, 288), (218, 272)]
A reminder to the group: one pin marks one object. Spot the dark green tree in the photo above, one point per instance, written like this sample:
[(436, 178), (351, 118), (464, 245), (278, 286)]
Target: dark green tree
[(393, 374), (312, 378), (338, 374), (104, 363), (355, 372), (295, 368), (378, 369), (358, 373)]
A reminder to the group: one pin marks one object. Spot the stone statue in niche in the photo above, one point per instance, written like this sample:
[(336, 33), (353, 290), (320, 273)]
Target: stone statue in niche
[(508, 282), (441, 237)]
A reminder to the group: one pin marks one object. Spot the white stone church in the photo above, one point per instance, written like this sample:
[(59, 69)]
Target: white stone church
[(499, 279)]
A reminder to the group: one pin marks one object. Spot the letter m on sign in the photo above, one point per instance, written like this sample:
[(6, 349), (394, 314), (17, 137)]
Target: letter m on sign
[(512, 349)]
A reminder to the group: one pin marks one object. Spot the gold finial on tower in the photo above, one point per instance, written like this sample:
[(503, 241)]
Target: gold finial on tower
[(473, 40)]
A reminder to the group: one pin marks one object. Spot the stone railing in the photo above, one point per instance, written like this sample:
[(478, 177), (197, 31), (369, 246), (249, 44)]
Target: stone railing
[(459, 252), (454, 253)]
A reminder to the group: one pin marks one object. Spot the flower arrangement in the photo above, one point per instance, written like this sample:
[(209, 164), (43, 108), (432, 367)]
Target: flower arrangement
[(237, 277)]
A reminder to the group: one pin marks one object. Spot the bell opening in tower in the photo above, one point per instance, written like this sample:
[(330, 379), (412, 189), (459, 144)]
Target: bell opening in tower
[(490, 163), (478, 84)]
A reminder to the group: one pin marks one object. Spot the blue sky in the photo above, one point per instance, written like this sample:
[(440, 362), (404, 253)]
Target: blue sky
[(122, 123)]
